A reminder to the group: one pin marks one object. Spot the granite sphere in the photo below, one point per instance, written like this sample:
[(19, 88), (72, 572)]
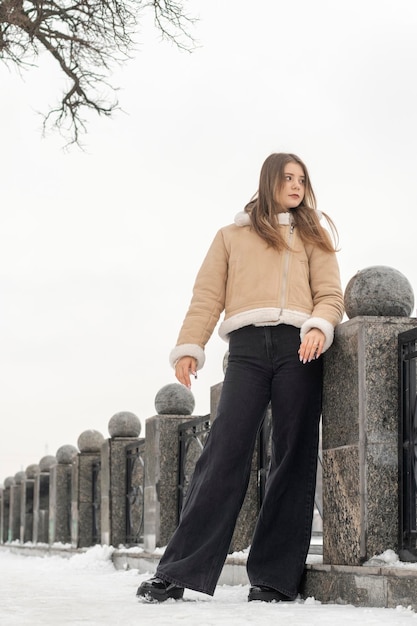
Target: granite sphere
[(379, 290), (65, 454), (174, 399), (124, 424), (9, 481), (47, 462), (32, 470), (90, 441), (19, 477)]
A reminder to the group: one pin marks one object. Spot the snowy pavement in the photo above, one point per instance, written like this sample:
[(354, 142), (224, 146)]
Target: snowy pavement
[(86, 590)]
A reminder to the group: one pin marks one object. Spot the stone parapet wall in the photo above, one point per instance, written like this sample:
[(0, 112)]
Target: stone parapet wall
[(360, 439), (81, 495)]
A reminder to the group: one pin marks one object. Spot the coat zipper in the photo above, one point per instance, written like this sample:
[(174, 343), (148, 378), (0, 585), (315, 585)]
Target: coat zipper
[(286, 266)]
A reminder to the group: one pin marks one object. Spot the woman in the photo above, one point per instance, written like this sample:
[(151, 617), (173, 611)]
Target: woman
[(275, 275)]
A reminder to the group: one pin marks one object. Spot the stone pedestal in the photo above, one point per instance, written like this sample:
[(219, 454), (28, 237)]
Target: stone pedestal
[(15, 507), (14, 514), (124, 428), (86, 490), (5, 509), (215, 393), (161, 478), (113, 490), (59, 522), (26, 510), (84, 517), (360, 439), (135, 458)]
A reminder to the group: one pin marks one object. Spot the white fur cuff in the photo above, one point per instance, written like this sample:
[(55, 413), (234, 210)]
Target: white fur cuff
[(188, 349), (325, 326)]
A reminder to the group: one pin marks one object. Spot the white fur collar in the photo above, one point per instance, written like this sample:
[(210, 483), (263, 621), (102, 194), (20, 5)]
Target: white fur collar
[(243, 219)]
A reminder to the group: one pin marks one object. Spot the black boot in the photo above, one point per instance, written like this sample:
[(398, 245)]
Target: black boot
[(157, 590), (266, 594)]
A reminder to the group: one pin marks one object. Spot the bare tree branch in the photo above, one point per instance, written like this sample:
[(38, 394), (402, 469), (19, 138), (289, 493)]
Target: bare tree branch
[(86, 38), (173, 23)]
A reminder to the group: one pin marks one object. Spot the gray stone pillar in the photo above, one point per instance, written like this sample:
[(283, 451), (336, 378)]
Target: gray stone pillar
[(59, 522), (174, 404), (8, 483), (26, 503), (215, 393), (124, 428), (15, 503), (360, 419), (360, 440), (41, 500), (85, 514)]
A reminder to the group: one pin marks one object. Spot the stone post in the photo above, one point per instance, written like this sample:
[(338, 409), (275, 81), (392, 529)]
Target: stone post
[(85, 515), (41, 500), (26, 503), (215, 393), (15, 499), (360, 420), (8, 483), (59, 522), (124, 428), (174, 404)]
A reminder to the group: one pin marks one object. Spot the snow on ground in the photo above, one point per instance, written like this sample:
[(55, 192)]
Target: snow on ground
[(86, 590)]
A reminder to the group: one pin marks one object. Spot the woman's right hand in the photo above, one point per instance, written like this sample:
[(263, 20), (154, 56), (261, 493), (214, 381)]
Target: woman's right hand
[(183, 368)]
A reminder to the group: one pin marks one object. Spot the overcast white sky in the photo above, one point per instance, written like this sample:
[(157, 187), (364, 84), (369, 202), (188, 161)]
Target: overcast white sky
[(99, 249)]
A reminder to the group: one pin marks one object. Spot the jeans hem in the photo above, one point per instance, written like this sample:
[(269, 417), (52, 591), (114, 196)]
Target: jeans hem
[(185, 585)]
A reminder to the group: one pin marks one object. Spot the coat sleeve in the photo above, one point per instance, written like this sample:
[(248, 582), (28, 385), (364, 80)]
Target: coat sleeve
[(206, 305), (327, 295)]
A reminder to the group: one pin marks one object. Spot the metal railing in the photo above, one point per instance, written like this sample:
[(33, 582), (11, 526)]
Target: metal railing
[(407, 444), (192, 436)]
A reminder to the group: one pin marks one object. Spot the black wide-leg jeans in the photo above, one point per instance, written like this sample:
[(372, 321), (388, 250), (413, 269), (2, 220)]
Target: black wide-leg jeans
[(263, 367)]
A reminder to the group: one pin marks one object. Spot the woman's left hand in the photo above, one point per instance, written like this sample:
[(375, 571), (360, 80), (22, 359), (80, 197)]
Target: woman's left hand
[(312, 345)]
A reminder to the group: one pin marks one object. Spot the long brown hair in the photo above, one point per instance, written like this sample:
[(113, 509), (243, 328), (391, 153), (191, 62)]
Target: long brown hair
[(263, 207)]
